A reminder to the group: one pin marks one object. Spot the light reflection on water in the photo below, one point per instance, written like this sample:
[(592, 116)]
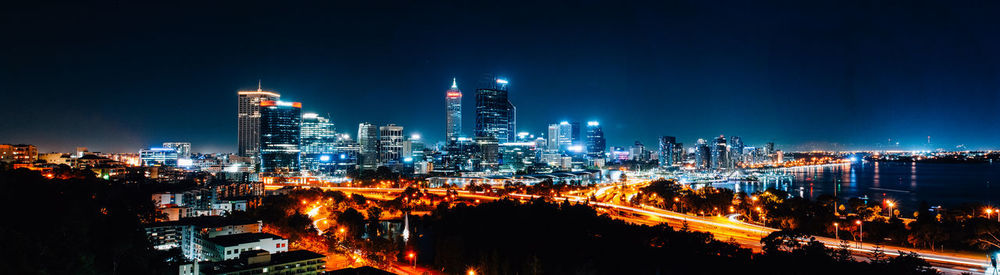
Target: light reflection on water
[(938, 184)]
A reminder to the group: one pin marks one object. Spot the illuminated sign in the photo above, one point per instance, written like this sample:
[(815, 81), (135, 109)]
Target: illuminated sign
[(454, 94), (501, 81)]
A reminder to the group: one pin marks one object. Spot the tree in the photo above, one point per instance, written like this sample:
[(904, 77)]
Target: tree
[(353, 220)]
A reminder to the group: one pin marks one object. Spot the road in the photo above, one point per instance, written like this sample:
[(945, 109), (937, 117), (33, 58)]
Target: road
[(723, 228)]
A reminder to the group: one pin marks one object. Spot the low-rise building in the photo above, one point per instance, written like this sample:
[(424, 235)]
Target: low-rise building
[(262, 262), (230, 247)]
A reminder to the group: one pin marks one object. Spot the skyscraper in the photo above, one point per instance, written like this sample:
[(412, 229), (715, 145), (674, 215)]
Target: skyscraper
[(565, 135), (368, 141), (552, 139), (248, 119), (596, 144), (318, 144), (667, 144), (735, 151), (495, 115), (702, 155), (390, 143), (280, 134), (453, 104), (720, 153)]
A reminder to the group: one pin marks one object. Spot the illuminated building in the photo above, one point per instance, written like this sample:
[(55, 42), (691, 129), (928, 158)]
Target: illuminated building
[(453, 102), (279, 137), (735, 151), (702, 155), (158, 157), (667, 144), (262, 262), (18, 153), (516, 156), (495, 115), (183, 148), (368, 142), (720, 153), (487, 156), (390, 143), (249, 120), (596, 144), (565, 135), (318, 144), (552, 141)]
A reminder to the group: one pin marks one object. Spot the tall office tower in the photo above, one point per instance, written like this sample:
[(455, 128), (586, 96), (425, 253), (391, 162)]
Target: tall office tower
[(248, 120), (390, 143), (679, 155), (565, 135), (453, 103), (368, 141), (720, 153), (769, 151), (183, 149), (552, 139), (596, 144), (495, 115), (666, 157), (319, 143), (575, 136), (702, 155), (735, 151), (280, 134)]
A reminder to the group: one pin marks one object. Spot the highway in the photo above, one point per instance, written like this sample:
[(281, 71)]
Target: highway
[(728, 228)]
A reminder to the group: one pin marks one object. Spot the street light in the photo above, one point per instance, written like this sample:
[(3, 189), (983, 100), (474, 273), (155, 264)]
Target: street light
[(836, 231), (413, 258), (890, 204), (861, 232), (471, 272), (988, 212)]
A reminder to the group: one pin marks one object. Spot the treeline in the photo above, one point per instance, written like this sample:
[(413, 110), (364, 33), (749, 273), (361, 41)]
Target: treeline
[(75, 224), (540, 237), (964, 229)]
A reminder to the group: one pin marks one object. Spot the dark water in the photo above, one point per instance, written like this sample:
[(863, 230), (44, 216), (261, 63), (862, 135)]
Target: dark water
[(947, 185)]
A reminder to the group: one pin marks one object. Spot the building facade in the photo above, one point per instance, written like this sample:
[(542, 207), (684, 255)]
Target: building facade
[(248, 120), (453, 105), (318, 144), (390, 143), (280, 135), (368, 143), (495, 115)]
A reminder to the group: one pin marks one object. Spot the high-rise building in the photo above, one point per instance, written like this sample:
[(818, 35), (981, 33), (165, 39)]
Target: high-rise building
[(552, 140), (702, 155), (495, 115), (735, 151), (368, 141), (390, 143), (596, 144), (318, 144), (248, 119), (638, 152), (565, 135), (280, 134), (453, 103), (666, 157), (575, 136), (720, 153), (183, 148)]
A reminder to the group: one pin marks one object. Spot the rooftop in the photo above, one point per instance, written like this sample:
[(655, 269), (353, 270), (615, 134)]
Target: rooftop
[(237, 239)]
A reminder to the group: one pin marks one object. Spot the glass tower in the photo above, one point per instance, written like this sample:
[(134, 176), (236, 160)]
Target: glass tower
[(279, 137)]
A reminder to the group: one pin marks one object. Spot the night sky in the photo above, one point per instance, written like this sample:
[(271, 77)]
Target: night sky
[(120, 76)]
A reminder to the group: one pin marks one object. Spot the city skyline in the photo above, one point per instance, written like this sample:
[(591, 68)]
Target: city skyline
[(874, 73)]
